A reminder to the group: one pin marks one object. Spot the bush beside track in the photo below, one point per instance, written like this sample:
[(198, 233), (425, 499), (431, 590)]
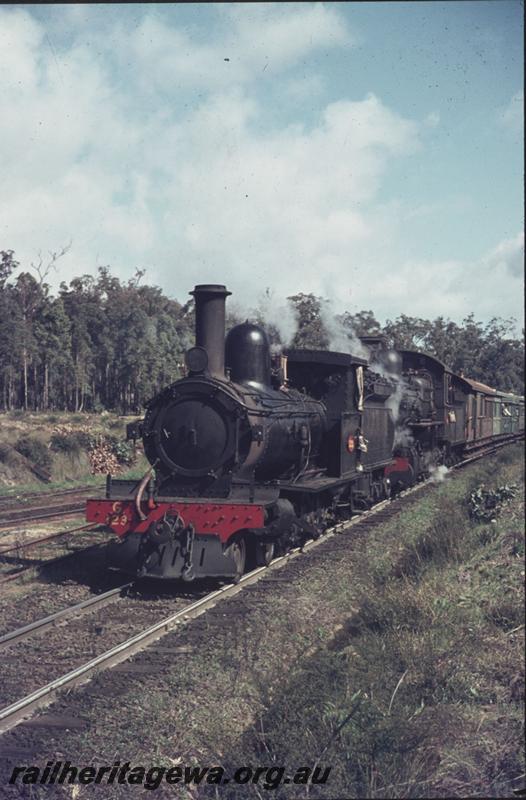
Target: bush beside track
[(421, 692), (398, 662), (72, 448)]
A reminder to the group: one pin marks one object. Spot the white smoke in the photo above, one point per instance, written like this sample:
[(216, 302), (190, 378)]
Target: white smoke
[(403, 437), (394, 401), (438, 473), (344, 339), (271, 312), (280, 314), (341, 338)]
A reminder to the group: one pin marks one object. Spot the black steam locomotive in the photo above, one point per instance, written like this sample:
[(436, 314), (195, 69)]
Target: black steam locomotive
[(251, 457)]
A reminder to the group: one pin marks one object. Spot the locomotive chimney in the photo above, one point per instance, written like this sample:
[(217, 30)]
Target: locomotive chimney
[(210, 325)]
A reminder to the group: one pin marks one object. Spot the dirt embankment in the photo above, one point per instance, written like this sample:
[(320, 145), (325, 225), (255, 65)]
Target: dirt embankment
[(39, 451)]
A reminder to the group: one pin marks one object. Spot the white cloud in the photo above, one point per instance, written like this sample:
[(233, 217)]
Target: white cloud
[(306, 87), (489, 287), (20, 38), (511, 117), (508, 255), (195, 184), (432, 119), (253, 40), (264, 33)]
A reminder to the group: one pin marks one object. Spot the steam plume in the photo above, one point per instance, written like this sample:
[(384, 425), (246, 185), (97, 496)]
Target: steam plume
[(341, 338)]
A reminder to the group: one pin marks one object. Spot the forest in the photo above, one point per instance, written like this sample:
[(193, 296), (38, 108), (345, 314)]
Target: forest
[(103, 344)]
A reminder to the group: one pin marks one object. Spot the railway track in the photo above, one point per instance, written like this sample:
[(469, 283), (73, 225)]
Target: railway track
[(13, 554), (19, 709), (76, 640), (16, 563), (24, 497), (76, 610), (21, 516), (12, 548), (13, 509)]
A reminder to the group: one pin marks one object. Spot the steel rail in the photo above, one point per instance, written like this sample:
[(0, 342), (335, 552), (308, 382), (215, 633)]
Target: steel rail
[(48, 538), (9, 499), (18, 571), (487, 451), (92, 603), (14, 713), (34, 515)]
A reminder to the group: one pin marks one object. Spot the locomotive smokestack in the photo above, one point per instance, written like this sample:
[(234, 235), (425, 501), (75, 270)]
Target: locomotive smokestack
[(210, 324)]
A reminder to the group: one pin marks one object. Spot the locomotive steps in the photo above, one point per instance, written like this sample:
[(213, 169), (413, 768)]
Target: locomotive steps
[(424, 635)]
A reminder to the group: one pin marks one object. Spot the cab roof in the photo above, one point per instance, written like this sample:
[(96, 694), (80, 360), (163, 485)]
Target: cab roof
[(328, 357)]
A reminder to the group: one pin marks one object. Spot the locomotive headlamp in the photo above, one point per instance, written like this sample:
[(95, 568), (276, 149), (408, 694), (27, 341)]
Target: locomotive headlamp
[(196, 359), (350, 443)]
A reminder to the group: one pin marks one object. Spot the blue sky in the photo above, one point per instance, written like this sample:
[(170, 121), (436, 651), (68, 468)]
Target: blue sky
[(368, 152)]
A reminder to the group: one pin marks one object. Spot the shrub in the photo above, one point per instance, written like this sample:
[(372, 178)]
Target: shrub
[(63, 443), (485, 505), (115, 424), (85, 439), (35, 451), (123, 451), (504, 613)]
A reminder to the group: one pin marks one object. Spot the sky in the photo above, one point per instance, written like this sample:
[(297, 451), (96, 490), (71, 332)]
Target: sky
[(371, 153)]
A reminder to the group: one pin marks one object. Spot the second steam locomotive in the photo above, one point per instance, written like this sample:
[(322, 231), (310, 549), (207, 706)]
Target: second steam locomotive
[(250, 457)]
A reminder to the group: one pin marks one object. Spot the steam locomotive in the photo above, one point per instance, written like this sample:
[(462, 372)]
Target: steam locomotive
[(251, 455)]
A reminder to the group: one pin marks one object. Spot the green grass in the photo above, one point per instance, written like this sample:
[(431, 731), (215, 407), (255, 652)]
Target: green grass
[(420, 694), (37, 487)]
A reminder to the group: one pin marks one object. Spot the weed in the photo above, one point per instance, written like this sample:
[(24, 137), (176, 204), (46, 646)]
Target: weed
[(123, 451), (35, 451), (18, 413), (485, 505), (115, 424), (505, 614), (433, 650), (65, 443)]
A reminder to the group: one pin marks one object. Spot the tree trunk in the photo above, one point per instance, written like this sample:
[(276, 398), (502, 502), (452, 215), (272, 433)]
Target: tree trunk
[(24, 361), (45, 399), (35, 387), (76, 382)]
